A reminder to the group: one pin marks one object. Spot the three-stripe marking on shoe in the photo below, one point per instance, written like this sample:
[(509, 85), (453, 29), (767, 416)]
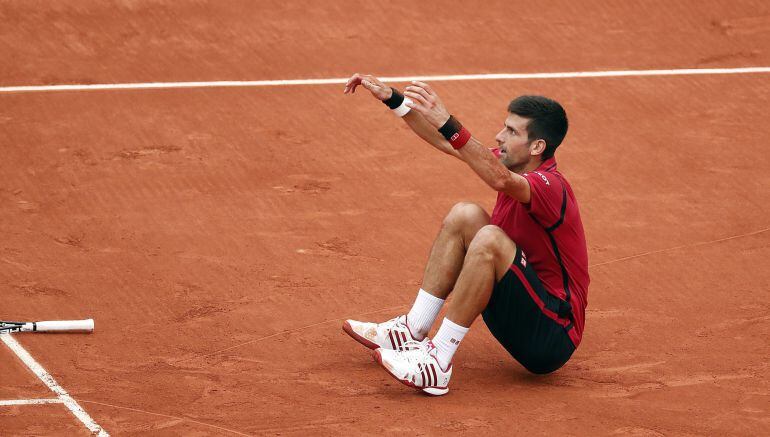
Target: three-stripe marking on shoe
[(399, 342), (429, 376), (433, 370)]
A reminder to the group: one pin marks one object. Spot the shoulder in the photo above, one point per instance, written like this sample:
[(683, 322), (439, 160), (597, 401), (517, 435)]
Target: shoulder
[(546, 179)]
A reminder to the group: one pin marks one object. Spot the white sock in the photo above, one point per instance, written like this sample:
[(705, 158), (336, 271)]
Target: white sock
[(423, 313), (447, 339)]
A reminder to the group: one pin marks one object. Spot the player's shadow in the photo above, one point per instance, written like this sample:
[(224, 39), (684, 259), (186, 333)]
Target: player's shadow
[(507, 374)]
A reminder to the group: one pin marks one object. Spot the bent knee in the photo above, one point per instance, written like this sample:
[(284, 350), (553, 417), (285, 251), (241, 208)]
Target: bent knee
[(491, 235), (466, 214), (492, 238), (493, 244)]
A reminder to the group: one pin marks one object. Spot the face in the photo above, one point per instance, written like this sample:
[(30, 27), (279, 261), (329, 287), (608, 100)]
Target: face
[(516, 150)]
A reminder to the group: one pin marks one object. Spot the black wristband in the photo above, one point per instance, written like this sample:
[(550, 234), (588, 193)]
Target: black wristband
[(395, 100), (450, 128)]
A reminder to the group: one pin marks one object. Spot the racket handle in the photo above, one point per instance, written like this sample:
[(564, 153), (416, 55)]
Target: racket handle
[(65, 326)]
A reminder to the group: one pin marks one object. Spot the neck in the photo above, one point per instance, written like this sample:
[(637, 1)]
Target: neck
[(532, 165)]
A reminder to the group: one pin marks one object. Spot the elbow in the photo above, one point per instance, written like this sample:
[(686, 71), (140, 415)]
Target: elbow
[(511, 186), (499, 183)]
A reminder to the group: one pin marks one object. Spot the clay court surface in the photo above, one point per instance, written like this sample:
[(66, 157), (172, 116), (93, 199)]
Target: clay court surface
[(220, 236)]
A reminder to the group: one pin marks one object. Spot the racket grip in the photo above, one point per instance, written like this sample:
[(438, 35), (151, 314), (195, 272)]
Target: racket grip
[(66, 326)]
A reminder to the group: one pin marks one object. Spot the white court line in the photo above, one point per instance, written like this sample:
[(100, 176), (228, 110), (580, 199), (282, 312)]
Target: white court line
[(48, 380), (30, 402), (339, 81)]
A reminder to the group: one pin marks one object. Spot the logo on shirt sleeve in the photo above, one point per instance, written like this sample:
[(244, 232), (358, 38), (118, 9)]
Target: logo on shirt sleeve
[(542, 176)]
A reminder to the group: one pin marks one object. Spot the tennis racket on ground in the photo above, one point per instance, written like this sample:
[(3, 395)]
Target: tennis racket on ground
[(48, 326)]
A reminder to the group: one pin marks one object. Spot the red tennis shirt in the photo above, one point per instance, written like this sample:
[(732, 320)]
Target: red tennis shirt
[(549, 231)]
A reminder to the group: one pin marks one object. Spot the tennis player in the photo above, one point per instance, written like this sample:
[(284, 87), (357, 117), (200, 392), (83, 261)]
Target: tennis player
[(524, 268)]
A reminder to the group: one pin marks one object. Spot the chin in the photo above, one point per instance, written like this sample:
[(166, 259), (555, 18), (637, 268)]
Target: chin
[(510, 166), (516, 168)]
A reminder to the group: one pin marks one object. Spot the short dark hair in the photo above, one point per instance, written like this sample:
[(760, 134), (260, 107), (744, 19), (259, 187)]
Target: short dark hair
[(548, 120)]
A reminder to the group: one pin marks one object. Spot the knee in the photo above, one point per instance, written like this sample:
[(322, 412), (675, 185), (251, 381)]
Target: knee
[(464, 214), (489, 240)]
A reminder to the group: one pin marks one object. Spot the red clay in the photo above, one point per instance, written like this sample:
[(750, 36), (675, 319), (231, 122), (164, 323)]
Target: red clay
[(220, 237), (16, 382), (49, 419)]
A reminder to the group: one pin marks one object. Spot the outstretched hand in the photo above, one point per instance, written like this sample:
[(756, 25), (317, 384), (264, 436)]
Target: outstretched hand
[(426, 102), (371, 83)]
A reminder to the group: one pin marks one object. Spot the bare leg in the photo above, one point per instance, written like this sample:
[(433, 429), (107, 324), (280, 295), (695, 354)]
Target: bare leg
[(449, 249), (489, 256)]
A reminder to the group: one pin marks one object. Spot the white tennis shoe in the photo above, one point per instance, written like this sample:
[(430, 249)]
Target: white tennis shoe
[(393, 334), (416, 367)]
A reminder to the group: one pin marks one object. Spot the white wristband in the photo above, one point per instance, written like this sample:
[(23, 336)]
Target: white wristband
[(402, 109)]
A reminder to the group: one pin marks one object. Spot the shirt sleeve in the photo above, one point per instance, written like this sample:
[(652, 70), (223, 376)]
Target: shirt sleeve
[(547, 199)]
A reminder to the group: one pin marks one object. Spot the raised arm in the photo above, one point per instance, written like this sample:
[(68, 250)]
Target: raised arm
[(427, 132), (496, 175), (414, 119), (476, 155)]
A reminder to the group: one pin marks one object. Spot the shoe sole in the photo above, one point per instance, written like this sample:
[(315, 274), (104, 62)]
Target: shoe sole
[(349, 330), (433, 391)]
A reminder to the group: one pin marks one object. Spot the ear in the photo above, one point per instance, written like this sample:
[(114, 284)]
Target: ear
[(537, 147)]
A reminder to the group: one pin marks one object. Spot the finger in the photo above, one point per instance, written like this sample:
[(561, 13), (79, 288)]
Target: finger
[(424, 86), (348, 84), (353, 78), (421, 91), (418, 102), (417, 98), (367, 78), (416, 106), (355, 85), (351, 84)]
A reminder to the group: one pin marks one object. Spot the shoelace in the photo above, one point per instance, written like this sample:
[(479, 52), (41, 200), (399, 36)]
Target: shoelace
[(417, 352), (410, 344), (390, 323)]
